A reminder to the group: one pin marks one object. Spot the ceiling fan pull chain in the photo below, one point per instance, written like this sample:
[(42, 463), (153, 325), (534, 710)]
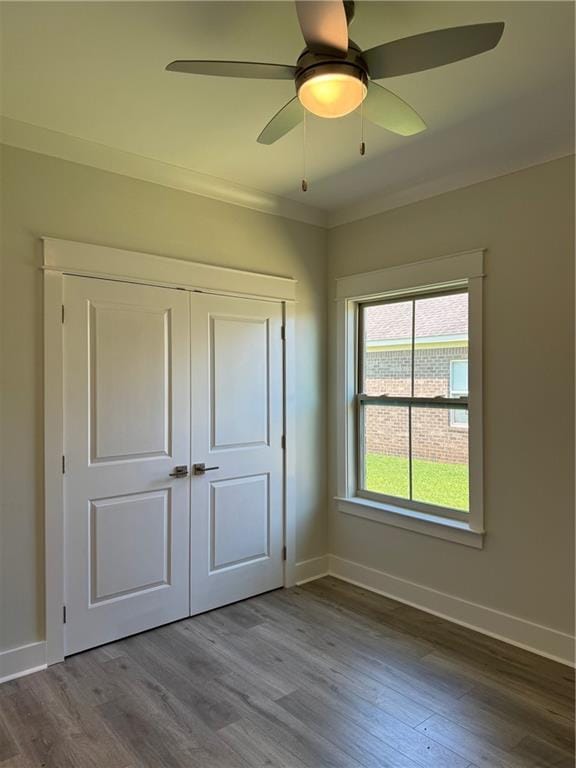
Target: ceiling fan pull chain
[(304, 180), (362, 142)]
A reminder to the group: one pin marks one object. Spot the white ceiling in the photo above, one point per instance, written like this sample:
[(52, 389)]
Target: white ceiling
[(95, 71)]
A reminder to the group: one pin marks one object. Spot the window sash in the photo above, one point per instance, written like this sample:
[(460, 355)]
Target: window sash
[(459, 402), (398, 501), (394, 300)]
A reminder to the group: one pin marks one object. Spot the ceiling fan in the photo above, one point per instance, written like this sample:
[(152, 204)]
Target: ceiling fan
[(333, 76)]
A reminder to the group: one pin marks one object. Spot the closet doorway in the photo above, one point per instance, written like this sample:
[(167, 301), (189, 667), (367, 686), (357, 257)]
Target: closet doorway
[(173, 454)]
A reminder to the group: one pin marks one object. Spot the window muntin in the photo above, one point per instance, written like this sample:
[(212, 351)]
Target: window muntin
[(407, 391)]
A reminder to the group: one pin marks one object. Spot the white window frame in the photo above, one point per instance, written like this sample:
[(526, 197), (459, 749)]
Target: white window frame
[(464, 270), (456, 393)]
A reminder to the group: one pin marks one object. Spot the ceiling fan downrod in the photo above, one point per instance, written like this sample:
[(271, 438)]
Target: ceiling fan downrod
[(304, 185)]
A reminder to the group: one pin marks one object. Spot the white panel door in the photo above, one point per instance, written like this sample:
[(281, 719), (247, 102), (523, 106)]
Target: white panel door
[(237, 417), (127, 426)]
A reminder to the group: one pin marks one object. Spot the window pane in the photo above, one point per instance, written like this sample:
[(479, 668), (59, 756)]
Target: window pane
[(386, 450), (387, 364), (439, 459), (459, 417), (459, 377), (440, 338)]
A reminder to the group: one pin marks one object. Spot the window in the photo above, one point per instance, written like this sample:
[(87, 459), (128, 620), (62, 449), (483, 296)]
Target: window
[(409, 397), (409, 384), (459, 388)]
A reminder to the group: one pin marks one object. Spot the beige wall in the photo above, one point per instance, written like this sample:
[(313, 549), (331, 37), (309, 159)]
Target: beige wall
[(525, 220), (46, 196)]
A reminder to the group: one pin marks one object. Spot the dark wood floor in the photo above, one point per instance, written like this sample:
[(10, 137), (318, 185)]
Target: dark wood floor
[(321, 675)]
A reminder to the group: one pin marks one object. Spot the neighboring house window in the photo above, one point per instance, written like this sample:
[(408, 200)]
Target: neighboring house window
[(409, 397), (406, 452), (459, 388)]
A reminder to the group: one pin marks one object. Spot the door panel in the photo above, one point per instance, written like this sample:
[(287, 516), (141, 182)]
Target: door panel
[(142, 519), (237, 413), (127, 424), (129, 372), (239, 538), (233, 342)]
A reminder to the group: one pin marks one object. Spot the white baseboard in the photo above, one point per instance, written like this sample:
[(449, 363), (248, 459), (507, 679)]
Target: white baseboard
[(537, 638), (309, 570), (21, 661)]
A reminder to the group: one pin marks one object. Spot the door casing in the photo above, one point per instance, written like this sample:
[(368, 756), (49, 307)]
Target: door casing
[(63, 257)]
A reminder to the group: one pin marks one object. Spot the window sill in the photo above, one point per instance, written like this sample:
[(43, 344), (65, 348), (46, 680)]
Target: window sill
[(411, 520)]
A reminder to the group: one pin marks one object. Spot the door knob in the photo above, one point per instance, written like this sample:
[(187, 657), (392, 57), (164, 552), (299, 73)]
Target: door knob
[(180, 471), (200, 469)]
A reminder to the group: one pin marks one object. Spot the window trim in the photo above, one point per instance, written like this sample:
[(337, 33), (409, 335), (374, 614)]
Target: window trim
[(461, 271)]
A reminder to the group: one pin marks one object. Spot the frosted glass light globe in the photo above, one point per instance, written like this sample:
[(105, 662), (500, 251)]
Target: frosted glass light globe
[(332, 94)]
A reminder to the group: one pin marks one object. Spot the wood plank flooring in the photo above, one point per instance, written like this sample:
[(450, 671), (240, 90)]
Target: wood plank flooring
[(321, 676)]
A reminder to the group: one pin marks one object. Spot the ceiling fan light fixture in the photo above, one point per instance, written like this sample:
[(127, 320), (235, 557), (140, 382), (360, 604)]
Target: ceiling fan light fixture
[(332, 92), (333, 75)]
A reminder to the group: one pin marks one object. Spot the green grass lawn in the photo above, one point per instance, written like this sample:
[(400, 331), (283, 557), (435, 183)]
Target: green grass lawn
[(433, 482)]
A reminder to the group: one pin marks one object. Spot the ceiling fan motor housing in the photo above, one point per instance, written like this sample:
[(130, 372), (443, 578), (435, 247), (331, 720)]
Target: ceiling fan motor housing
[(310, 65)]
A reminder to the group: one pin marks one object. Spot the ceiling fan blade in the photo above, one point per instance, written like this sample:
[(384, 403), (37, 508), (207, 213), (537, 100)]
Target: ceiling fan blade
[(431, 49), (389, 111), (250, 69), (283, 121), (324, 26)]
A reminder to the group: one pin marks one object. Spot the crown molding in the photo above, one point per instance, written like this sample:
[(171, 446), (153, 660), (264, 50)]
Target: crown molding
[(34, 138), (468, 177)]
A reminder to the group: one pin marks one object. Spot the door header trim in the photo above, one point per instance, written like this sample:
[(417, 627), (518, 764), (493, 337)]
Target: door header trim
[(86, 259)]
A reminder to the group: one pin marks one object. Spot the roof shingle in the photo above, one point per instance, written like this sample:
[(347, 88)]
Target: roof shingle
[(435, 316)]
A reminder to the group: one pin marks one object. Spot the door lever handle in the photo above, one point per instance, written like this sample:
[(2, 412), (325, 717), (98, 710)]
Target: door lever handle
[(180, 471), (200, 469)]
